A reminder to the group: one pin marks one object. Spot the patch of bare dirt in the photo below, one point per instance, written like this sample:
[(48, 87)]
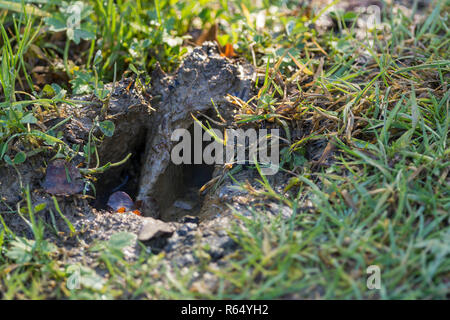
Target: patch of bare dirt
[(144, 119)]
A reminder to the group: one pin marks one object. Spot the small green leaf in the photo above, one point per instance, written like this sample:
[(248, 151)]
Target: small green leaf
[(299, 160), (28, 118), (49, 91), (101, 93), (55, 24), (47, 138), (2, 236), (133, 68), (20, 157), (90, 279), (82, 82), (292, 182), (121, 240), (48, 247), (107, 127), (8, 160), (21, 250), (83, 34), (40, 207), (60, 93), (3, 148)]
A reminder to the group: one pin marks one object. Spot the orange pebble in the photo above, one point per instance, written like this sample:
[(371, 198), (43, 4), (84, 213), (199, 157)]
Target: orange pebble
[(137, 212), (229, 51)]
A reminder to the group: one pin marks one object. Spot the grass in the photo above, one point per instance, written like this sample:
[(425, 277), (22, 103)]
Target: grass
[(378, 195)]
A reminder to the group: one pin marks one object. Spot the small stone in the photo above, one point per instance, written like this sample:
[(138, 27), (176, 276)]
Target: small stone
[(190, 219), (219, 246), (182, 231), (184, 260), (186, 228), (120, 200), (222, 233), (154, 228), (63, 178)]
